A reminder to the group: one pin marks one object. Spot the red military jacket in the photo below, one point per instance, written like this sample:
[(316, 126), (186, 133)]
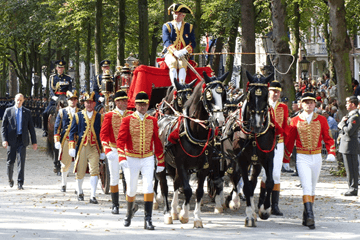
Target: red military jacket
[(281, 112), (140, 138), (110, 129), (308, 137)]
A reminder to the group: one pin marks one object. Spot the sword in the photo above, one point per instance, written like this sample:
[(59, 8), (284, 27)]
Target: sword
[(191, 68)]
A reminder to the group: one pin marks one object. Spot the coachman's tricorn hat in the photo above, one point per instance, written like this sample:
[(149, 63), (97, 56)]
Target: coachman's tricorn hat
[(89, 97), (60, 63), (275, 85), (142, 97), (120, 95), (105, 63), (177, 7), (308, 96), (71, 95)]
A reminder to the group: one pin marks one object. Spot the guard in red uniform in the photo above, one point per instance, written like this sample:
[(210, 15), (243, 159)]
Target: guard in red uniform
[(139, 139), (307, 131), (108, 135), (281, 117)]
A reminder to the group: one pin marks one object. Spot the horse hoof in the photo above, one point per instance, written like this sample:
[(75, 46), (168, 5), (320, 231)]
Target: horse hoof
[(175, 216), (198, 224), (264, 214), (250, 222), (184, 220), (178, 208), (219, 210), (168, 219), (155, 206), (234, 205), (255, 217)]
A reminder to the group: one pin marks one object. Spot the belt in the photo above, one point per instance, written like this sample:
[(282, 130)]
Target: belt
[(60, 93)]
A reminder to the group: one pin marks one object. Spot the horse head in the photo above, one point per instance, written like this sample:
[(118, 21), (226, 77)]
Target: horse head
[(182, 94), (61, 102), (214, 97), (257, 100)]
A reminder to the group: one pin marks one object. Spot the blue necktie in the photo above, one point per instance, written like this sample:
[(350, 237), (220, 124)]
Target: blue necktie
[(18, 122)]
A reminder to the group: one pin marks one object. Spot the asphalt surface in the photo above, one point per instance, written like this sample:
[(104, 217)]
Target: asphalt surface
[(41, 211)]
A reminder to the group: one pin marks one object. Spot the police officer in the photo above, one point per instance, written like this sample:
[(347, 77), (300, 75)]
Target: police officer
[(179, 40), (60, 83), (349, 145), (105, 66)]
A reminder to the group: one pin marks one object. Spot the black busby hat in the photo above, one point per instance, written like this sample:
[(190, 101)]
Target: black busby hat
[(308, 96), (177, 7), (105, 63), (275, 85), (120, 94), (60, 63), (142, 97), (89, 97), (72, 95)]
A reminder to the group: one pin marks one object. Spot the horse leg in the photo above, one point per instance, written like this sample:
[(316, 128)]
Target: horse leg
[(175, 208), (235, 203), (265, 210), (250, 221), (184, 214), (155, 202), (164, 192), (199, 196)]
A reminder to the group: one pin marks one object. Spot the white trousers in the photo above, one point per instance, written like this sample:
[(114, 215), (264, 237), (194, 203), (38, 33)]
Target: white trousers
[(114, 169), (278, 159), (309, 166), (137, 165)]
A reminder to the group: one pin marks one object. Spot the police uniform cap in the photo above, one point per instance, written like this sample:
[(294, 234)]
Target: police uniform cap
[(60, 63), (308, 96), (177, 7), (284, 99), (142, 97), (69, 94), (295, 102), (105, 63), (275, 85), (120, 95)]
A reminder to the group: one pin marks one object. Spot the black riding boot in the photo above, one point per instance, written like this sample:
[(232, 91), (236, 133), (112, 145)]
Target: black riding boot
[(129, 214), (45, 123), (115, 202), (309, 214), (275, 203), (148, 213), (261, 197)]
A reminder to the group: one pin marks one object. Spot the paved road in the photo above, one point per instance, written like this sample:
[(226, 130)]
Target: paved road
[(41, 211)]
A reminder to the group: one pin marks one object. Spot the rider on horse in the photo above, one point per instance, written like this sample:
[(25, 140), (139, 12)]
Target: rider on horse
[(60, 83)]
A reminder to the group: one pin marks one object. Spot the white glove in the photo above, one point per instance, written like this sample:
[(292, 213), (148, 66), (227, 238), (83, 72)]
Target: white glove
[(330, 158), (177, 54), (101, 99), (57, 145), (102, 156), (124, 164), (54, 98), (72, 152), (113, 155), (183, 52), (159, 169)]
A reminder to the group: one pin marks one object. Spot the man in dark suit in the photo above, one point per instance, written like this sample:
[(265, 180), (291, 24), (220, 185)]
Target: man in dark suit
[(16, 124), (349, 145)]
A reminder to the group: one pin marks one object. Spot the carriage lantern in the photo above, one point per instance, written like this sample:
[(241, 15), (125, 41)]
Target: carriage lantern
[(117, 78), (125, 77), (268, 43), (304, 66), (107, 88)]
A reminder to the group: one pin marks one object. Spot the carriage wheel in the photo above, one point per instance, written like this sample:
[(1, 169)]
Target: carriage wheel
[(105, 176)]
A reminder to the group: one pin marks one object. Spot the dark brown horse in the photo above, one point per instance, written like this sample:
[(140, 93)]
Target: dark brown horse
[(250, 140), (202, 113)]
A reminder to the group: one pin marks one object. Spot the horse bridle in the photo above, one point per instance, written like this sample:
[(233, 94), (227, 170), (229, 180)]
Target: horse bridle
[(207, 96)]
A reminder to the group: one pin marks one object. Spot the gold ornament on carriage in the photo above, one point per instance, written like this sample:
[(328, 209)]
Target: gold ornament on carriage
[(258, 92), (208, 95)]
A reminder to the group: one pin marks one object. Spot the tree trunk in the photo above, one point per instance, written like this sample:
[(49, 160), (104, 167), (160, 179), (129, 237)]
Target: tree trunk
[(281, 45), (297, 40), (232, 44), (248, 39), (13, 83), (88, 57), (197, 28), (76, 80), (340, 47), (155, 40), (143, 32), (48, 70), (218, 48), (98, 36), (3, 78), (167, 4), (121, 34)]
